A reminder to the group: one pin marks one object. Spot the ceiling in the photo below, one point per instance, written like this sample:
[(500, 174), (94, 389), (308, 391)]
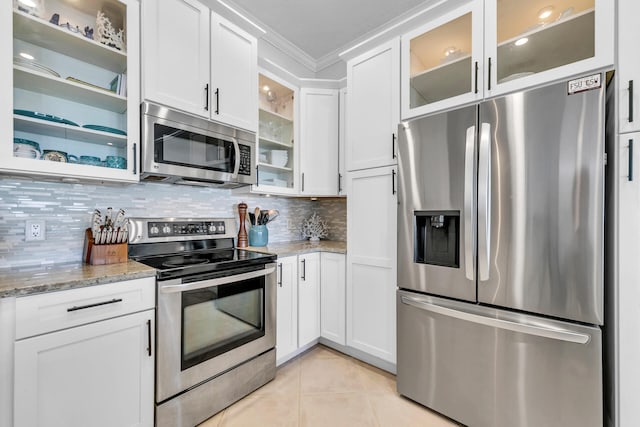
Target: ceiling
[(320, 28)]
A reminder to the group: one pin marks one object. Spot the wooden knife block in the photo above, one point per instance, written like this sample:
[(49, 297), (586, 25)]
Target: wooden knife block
[(103, 254)]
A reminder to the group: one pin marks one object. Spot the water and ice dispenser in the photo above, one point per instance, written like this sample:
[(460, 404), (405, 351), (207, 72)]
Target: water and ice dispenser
[(436, 238)]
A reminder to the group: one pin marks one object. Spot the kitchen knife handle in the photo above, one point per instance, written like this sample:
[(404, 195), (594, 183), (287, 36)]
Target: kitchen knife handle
[(97, 304), (206, 97), (630, 89), (280, 276), (149, 336), (489, 73), (630, 176), (217, 101), (393, 145), (476, 77), (304, 269), (393, 181), (135, 159)]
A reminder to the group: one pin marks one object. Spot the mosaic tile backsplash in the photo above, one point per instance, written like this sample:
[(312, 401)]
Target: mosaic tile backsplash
[(66, 210)]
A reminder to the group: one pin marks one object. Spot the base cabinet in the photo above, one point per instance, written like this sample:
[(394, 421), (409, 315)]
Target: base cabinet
[(85, 357), (332, 297), (287, 308), (308, 298)]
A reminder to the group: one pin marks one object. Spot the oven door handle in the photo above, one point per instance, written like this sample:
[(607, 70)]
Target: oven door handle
[(172, 286)]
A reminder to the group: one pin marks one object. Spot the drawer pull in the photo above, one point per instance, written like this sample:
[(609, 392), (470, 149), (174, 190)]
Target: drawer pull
[(97, 304)]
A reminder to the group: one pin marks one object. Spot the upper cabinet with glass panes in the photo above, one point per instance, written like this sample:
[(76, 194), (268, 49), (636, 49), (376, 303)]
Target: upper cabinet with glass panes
[(73, 70), (491, 47)]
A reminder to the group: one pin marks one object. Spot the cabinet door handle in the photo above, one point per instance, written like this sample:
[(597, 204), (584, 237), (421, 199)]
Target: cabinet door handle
[(149, 336), (280, 276), (97, 304), (302, 181), (339, 183), (476, 77), (135, 159), (393, 181), (630, 89), (393, 145), (206, 97), (304, 269), (630, 160), (489, 72), (217, 101), (257, 175)]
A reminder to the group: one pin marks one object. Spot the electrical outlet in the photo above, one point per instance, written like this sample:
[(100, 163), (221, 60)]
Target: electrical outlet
[(34, 230), (291, 224)]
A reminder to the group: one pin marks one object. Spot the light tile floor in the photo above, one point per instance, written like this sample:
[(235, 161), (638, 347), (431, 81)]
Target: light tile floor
[(325, 388)]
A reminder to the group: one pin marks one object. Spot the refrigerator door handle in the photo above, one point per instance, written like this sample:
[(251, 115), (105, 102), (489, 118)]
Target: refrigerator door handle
[(541, 331), (469, 205), (484, 201)]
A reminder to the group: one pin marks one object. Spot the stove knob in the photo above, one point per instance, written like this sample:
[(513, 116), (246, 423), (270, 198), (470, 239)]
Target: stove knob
[(166, 229), (212, 229), (154, 230)]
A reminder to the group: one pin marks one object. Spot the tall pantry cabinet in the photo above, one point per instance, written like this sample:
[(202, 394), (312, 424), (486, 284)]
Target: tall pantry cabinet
[(373, 113)]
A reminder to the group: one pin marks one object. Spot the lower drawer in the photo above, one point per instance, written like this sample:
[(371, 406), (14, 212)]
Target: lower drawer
[(42, 313)]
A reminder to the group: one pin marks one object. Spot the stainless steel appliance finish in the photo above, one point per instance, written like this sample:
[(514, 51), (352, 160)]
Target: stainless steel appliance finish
[(488, 367), (216, 314), (184, 149), (501, 207)]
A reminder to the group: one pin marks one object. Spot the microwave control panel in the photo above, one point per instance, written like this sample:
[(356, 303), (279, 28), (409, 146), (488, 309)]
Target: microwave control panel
[(245, 160)]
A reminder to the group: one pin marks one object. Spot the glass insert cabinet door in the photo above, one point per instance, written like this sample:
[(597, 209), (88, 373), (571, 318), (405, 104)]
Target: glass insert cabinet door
[(547, 38), (442, 62)]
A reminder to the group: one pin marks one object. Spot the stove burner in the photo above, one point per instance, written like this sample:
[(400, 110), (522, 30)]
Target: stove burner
[(184, 261)]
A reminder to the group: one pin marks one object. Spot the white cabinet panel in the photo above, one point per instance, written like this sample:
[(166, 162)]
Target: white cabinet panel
[(308, 298), (319, 142), (176, 54), (628, 78), (373, 81), (287, 307), (342, 149), (371, 262), (100, 374), (332, 297), (234, 75)]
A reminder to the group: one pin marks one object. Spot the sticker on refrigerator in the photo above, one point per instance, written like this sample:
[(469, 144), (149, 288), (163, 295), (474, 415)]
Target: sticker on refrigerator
[(584, 83)]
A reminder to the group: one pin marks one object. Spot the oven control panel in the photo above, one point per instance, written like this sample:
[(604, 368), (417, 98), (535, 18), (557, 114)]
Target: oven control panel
[(180, 228)]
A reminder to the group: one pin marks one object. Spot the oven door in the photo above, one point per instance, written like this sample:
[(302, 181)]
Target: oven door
[(210, 324)]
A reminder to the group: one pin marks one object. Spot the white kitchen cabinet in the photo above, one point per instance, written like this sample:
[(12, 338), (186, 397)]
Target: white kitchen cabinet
[(319, 133), (198, 62), (287, 308), (277, 148), (85, 356), (628, 71), (332, 297), (342, 164), (68, 110), (441, 62), (492, 47), (373, 82), (308, 298), (371, 262)]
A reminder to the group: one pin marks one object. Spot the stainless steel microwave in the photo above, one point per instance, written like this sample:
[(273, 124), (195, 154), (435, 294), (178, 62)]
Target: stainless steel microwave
[(184, 149)]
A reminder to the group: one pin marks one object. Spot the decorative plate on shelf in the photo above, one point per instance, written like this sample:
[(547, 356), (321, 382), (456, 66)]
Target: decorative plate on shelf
[(32, 65), (44, 116), (105, 129)]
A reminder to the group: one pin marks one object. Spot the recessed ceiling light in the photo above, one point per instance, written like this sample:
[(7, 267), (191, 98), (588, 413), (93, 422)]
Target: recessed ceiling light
[(545, 12), (27, 56), (521, 41), (109, 143), (28, 3), (266, 88)]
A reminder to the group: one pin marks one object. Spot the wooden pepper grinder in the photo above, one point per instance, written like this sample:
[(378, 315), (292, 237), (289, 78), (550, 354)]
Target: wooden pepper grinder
[(243, 240)]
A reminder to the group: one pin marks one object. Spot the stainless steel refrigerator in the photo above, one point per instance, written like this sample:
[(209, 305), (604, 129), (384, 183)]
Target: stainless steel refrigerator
[(500, 259)]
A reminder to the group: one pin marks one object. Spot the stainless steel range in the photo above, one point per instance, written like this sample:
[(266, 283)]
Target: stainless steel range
[(216, 305)]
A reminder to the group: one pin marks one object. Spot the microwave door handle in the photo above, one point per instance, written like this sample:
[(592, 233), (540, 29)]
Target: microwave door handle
[(469, 204), (236, 147), (484, 202), (173, 286)]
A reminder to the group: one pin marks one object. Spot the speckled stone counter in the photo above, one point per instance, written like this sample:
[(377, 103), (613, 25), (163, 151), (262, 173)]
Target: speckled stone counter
[(302, 247), (57, 277)]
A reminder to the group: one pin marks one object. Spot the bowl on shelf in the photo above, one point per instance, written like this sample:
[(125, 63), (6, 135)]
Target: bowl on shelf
[(278, 158), (26, 148), (90, 160), (55, 156), (116, 162)]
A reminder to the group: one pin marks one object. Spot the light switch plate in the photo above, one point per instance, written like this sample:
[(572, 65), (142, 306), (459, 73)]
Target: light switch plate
[(34, 230)]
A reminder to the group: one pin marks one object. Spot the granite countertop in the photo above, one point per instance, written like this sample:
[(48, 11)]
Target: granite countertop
[(301, 247), (22, 281)]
